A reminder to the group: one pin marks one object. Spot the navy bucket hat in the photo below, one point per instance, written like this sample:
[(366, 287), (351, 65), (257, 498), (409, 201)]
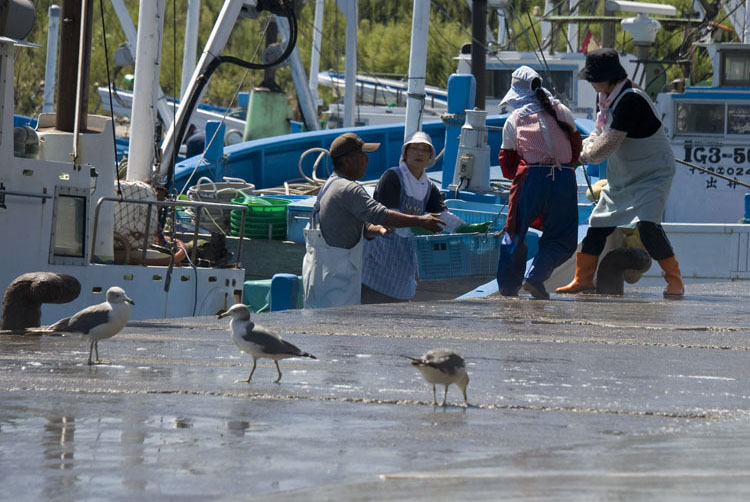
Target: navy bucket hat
[(602, 65)]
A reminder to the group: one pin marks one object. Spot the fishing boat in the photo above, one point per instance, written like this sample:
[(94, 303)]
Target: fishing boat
[(64, 209), (698, 234)]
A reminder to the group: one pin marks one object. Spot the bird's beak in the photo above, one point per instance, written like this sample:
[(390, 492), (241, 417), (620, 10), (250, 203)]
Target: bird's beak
[(222, 315), (128, 300)]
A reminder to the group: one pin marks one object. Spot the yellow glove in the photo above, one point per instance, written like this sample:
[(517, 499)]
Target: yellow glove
[(597, 187)]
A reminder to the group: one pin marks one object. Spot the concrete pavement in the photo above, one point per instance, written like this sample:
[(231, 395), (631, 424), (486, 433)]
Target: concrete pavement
[(577, 398)]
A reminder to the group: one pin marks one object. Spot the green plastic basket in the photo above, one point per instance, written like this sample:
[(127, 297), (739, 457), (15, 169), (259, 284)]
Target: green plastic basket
[(262, 213)]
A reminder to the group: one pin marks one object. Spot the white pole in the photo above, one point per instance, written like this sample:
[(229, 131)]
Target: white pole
[(351, 11), (573, 27), (746, 32), (546, 27), (315, 54), (500, 27), (420, 22), (143, 110), (191, 43), (53, 30), (215, 44), (304, 94), (131, 35)]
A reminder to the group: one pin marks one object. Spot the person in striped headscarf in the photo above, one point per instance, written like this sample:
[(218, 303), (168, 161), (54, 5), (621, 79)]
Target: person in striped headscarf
[(540, 147)]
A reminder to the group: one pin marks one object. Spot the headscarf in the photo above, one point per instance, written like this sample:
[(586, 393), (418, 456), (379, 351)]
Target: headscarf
[(520, 95)]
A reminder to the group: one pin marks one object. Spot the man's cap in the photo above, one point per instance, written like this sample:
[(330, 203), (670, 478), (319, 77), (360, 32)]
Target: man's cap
[(348, 143), (602, 65)]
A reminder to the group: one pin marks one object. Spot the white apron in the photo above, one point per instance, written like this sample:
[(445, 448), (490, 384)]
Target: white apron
[(639, 176), (331, 276)]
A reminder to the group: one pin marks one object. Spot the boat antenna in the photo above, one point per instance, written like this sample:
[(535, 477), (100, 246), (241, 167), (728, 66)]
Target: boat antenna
[(203, 79), (111, 106), (541, 50)]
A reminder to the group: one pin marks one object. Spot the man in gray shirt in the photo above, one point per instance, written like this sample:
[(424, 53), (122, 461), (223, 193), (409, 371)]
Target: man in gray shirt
[(332, 272)]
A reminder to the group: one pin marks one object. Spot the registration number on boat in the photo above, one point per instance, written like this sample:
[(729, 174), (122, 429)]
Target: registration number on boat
[(729, 161)]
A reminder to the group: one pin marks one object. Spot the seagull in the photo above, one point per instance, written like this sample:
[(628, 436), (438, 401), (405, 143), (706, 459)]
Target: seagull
[(100, 321), (443, 366), (258, 341)]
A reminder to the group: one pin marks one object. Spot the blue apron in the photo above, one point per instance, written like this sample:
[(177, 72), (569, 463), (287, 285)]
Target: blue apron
[(390, 261)]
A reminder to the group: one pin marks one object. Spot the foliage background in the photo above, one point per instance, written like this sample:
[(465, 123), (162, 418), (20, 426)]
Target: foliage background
[(383, 47)]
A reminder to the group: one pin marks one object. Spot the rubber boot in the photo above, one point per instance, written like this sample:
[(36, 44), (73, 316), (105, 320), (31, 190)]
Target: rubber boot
[(673, 277), (584, 278)]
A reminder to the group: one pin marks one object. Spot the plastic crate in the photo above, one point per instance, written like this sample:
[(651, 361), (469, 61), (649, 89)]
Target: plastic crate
[(297, 217), (446, 256)]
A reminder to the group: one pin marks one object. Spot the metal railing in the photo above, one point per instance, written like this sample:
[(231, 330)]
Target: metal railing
[(173, 204)]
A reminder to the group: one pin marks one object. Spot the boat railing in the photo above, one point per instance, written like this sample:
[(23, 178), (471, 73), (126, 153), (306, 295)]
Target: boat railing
[(172, 204)]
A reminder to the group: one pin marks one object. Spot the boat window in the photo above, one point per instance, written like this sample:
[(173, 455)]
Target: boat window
[(70, 223), (700, 118), (736, 68), (559, 82), (738, 119)]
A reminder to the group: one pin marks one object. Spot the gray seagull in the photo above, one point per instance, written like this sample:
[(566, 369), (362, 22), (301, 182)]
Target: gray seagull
[(100, 321), (258, 341), (442, 366)]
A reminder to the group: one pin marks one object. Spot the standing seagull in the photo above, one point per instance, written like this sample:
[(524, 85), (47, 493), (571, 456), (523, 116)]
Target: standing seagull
[(100, 321), (258, 341), (445, 367)]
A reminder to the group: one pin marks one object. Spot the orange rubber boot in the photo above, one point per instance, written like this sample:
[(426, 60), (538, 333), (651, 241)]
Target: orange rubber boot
[(584, 278), (673, 277)]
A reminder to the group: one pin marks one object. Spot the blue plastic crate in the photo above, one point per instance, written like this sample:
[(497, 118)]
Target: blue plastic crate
[(446, 256), (449, 256)]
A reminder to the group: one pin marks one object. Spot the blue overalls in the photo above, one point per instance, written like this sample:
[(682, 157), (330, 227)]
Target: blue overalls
[(390, 261), (550, 192)]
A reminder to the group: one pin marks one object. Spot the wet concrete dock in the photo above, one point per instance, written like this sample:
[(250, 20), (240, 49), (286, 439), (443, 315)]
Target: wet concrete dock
[(577, 398)]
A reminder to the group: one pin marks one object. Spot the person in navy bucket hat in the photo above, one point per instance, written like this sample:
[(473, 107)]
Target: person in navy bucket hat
[(602, 65), (640, 166)]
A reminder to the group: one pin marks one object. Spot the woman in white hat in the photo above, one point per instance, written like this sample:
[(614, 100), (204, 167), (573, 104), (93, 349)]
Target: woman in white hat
[(389, 265), (540, 146)]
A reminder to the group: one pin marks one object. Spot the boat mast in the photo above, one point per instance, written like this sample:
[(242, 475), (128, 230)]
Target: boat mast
[(191, 43), (147, 65), (131, 35), (351, 12), (479, 48), (304, 95), (53, 31), (315, 51), (417, 67), (73, 77), (573, 27), (215, 44)]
